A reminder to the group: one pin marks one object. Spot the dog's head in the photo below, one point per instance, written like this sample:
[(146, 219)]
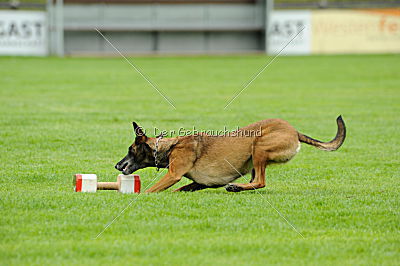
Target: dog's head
[(139, 156)]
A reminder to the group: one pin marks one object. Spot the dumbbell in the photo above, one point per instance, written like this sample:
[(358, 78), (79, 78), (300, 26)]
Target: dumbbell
[(124, 184)]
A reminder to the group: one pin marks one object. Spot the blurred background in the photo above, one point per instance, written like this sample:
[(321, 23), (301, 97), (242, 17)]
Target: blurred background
[(68, 27)]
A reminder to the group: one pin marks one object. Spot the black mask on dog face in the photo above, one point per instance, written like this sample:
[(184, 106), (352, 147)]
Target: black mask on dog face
[(139, 156)]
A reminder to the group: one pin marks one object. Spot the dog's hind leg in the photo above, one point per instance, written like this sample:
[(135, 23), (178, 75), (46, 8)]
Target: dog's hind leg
[(191, 187), (253, 175), (257, 182)]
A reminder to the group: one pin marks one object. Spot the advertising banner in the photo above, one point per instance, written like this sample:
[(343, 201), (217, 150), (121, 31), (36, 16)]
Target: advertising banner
[(283, 27), (356, 31), (23, 33)]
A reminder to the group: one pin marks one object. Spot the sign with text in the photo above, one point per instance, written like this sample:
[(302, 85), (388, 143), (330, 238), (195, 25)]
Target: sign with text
[(23, 33), (282, 31), (356, 31)]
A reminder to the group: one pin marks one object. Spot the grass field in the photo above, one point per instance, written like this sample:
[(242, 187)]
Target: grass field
[(59, 117)]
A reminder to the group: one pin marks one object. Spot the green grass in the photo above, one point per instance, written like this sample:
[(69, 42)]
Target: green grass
[(59, 117)]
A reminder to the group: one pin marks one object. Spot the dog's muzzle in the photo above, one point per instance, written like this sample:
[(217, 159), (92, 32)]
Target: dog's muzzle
[(126, 168), (121, 166)]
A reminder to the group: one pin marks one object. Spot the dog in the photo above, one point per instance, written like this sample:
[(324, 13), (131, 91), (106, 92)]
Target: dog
[(215, 161)]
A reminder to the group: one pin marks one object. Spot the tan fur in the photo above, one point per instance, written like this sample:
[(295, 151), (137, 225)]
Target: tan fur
[(212, 161)]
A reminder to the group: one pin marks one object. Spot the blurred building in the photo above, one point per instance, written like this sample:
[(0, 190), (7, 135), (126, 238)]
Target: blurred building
[(199, 26)]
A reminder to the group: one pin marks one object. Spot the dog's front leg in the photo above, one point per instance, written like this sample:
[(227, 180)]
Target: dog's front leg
[(181, 161), (165, 182), (177, 168)]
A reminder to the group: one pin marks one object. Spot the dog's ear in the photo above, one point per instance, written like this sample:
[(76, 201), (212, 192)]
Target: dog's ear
[(139, 132)]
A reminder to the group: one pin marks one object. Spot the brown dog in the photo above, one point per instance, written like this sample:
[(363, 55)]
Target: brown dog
[(215, 161)]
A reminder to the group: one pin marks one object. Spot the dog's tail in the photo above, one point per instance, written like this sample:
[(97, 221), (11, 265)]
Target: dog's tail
[(332, 145)]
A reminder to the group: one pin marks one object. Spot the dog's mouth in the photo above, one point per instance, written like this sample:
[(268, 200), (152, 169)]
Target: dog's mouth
[(126, 168)]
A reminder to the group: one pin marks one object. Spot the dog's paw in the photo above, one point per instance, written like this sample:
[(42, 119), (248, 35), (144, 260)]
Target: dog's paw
[(233, 188)]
